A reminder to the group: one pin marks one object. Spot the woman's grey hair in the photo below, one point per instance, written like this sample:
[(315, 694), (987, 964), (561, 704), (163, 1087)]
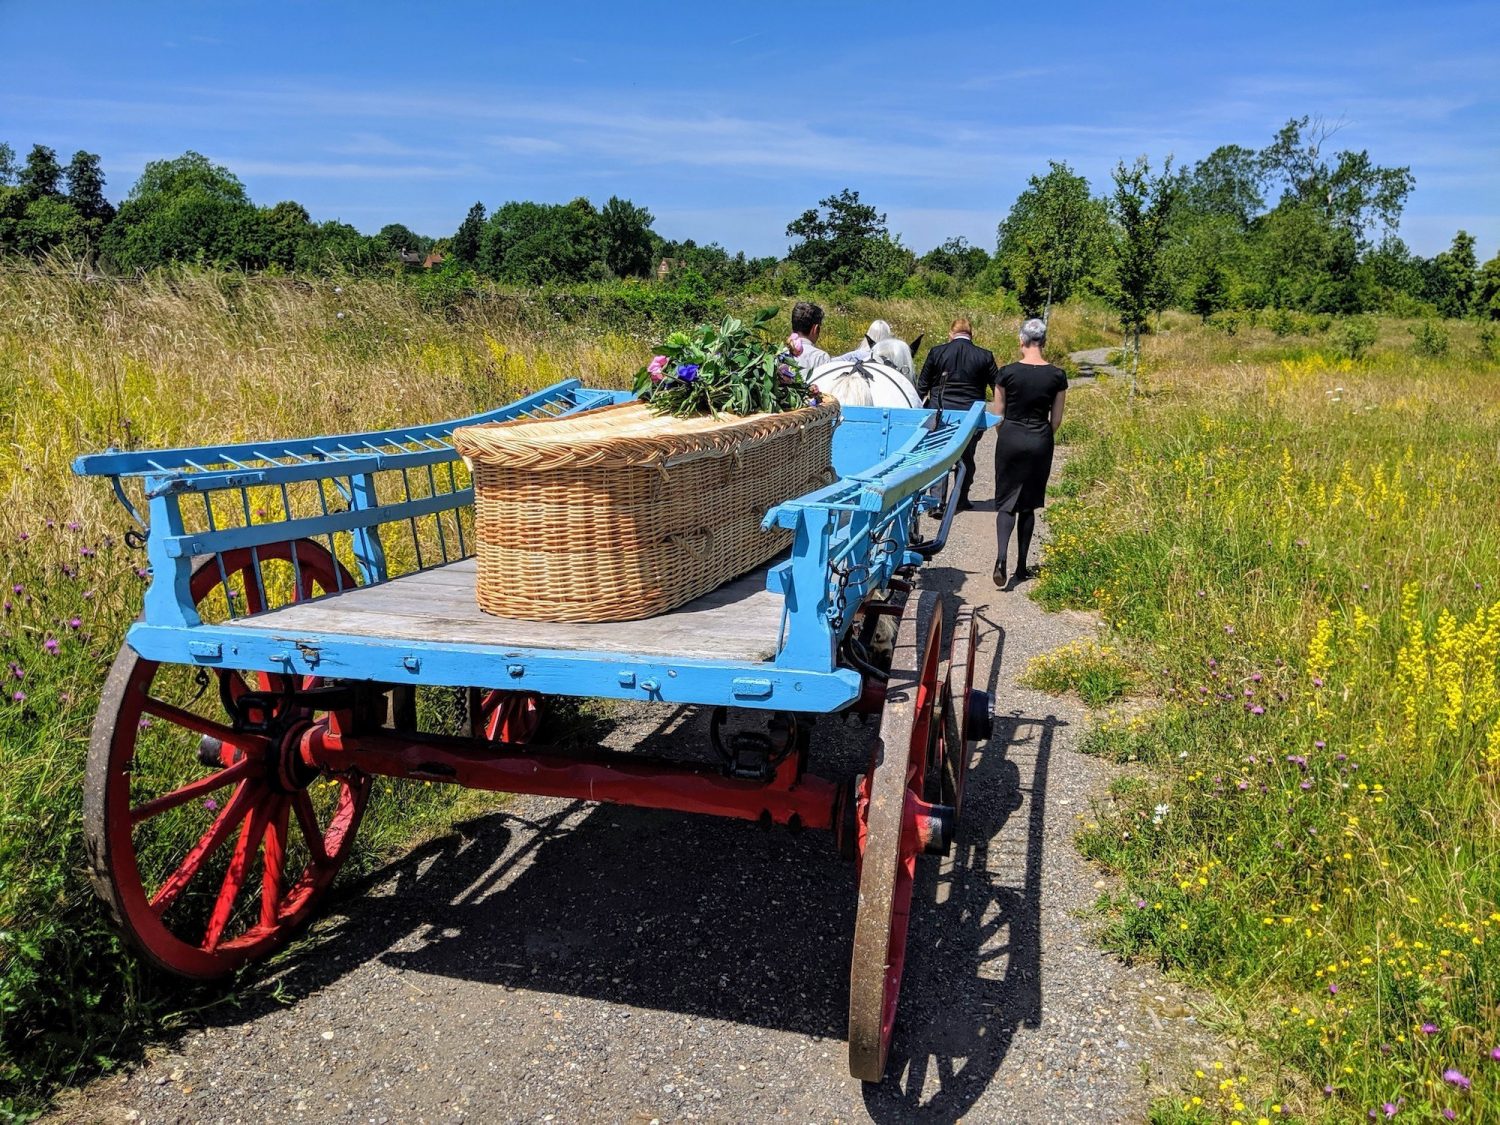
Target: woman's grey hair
[(895, 353), (1034, 331)]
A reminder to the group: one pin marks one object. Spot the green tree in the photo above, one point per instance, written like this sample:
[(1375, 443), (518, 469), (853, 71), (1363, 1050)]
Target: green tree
[(183, 210), (1227, 182), (1300, 260), (625, 232), (1454, 277), (470, 234), (1054, 235), (1353, 192), (286, 230), (539, 243), (7, 165), (957, 259), (1487, 291), (50, 225), (839, 239), (1142, 207), (85, 181), (42, 175)]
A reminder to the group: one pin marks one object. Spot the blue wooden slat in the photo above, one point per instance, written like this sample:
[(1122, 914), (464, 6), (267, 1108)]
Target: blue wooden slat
[(281, 531)]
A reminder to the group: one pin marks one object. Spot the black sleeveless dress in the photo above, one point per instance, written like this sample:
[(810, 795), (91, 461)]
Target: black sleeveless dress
[(1023, 443)]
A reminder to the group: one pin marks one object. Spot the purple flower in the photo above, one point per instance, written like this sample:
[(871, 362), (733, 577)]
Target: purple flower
[(1449, 1115), (1257, 710), (1328, 1091), (18, 589), (144, 723), (1317, 681), (25, 536), (1242, 785), (1429, 1028), (1333, 990), (1495, 1053), (75, 622), (19, 697), (1389, 1108), (1229, 629), (210, 804), (1255, 676), (687, 372), (1320, 744), (73, 525), (1456, 1078), (50, 644), (86, 552), (1306, 785), (1202, 594)]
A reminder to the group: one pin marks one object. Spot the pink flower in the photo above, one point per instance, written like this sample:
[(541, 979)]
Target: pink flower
[(794, 342), (657, 365), (1333, 990), (19, 697), (1429, 1028), (1495, 1053)]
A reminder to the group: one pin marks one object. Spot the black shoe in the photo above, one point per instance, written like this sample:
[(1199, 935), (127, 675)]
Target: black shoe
[(1022, 575), (965, 505), (999, 575)]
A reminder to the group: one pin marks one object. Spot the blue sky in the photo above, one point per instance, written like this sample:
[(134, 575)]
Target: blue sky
[(727, 120)]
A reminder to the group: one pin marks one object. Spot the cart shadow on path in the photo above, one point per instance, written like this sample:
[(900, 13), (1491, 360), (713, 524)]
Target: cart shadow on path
[(720, 920)]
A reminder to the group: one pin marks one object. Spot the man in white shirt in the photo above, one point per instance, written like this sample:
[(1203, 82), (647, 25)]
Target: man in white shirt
[(807, 326)]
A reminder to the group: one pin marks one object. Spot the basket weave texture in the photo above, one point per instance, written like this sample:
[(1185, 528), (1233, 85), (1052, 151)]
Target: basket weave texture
[(622, 513)]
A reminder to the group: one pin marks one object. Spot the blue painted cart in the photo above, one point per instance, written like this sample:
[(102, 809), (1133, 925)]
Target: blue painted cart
[(311, 606)]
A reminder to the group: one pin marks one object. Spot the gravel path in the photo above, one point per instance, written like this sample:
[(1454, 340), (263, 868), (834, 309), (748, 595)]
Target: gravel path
[(556, 961)]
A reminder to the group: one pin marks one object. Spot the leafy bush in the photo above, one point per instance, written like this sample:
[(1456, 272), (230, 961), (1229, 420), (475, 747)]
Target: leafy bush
[(1355, 336), (1430, 339)]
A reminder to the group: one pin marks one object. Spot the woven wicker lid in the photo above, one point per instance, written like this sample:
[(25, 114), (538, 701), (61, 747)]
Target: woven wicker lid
[(624, 436)]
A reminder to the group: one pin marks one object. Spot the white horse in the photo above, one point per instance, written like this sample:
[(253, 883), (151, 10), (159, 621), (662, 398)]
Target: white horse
[(885, 379)]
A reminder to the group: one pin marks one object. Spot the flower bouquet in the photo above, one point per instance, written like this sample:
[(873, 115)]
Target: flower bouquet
[(729, 369)]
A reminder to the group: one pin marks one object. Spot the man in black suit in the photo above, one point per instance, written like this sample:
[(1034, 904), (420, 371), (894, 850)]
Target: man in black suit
[(954, 377)]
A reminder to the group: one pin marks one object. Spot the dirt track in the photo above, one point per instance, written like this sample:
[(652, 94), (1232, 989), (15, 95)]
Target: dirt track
[(557, 961)]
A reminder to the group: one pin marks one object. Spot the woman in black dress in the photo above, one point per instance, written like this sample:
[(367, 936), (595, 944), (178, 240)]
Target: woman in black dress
[(1029, 395)]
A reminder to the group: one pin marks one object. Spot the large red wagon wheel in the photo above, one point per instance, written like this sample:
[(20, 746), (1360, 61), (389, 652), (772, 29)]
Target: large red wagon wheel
[(966, 712), (188, 821), (890, 837)]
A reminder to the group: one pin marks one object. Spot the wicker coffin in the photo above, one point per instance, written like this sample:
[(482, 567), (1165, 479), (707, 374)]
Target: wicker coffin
[(621, 513)]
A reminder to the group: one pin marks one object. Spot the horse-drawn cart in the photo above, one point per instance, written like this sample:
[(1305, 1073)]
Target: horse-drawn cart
[(305, 594)]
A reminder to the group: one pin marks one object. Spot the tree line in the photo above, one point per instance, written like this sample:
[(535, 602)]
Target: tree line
[(1290, 226)]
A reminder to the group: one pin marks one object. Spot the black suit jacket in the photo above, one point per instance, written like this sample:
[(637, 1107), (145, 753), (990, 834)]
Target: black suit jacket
[(956, 375)]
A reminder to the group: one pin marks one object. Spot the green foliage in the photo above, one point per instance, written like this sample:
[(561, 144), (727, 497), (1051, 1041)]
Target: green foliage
[(1430, 339), (842, 239), (1453, 280), (1097, 673), (469, 237), (7, 165), (1354, 336), (625, 233), (1142, 206), (42, 175), (86, 188), (541, 243), (1056, 234), (1487, 290), (729, 369), (186, 209)]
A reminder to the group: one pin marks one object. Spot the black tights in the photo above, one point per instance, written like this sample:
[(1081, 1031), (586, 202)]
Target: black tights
[(1025, 524)]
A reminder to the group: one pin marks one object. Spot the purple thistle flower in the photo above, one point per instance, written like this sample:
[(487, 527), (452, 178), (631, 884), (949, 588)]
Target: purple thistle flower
[(1495, 1053), (1257, 710), (1255, 676), (1229, 629), (1317, 681), (86, 552), (1456, 1077), (18, 589), (1306, 785), (1333, 990), (25, 535), (1328, 1091), (1320, 744), (75, 622), (1449, 1115), (50, 644), (1389, 1108), (210, 804), (144, 724), (73, 525), (19, 697), (1429, 1028)]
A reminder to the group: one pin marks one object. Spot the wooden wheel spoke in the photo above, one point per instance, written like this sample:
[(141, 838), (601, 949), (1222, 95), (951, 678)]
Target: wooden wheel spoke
[(307, 818), (234, 877), (273, 864), (226, 822), (193, 789), (178, 716)]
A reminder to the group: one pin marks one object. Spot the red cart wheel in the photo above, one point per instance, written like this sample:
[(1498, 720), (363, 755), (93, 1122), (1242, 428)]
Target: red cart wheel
[(510, 716), (965, 712), (890, 836), (170, 782)]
